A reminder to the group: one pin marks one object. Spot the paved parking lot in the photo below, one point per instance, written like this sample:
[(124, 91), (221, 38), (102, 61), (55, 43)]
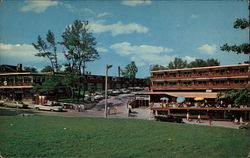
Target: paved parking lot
[(98, 111)]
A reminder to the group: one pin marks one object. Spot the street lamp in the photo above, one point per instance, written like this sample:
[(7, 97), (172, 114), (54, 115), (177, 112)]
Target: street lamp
[(106, 89)]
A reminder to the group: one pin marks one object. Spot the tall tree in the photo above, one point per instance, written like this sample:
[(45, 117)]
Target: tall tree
[(48, 49), (80, 49), (213, 62), (178, 63), (51, 84), (157, 67), (204, 63), (47, 69), (130, 70), (30, 69), (242, 48)]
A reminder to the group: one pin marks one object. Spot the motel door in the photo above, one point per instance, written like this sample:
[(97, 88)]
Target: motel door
[(142, 100)]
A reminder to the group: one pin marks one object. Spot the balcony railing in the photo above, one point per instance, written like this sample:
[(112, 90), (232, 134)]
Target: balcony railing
[(16, 84), (199, 86), (209, 75)]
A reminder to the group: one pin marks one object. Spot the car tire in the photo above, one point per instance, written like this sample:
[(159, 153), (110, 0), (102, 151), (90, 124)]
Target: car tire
[(51, 110), (37, 108)]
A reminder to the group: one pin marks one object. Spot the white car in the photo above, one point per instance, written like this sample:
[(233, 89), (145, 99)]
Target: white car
[(48, 107), (15, 104), (98, 97)]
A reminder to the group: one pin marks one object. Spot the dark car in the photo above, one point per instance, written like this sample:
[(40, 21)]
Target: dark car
[(169, 119), (246, 126)]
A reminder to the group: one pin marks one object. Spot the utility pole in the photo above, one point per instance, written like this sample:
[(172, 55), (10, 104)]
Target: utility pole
[(106, 90)]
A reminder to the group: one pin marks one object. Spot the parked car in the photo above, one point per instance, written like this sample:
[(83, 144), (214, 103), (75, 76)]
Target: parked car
[(117, 92), (49, 108), (98, 97), (1, 102), (245, 126), (87, 97), (15, 104), (125, 91)]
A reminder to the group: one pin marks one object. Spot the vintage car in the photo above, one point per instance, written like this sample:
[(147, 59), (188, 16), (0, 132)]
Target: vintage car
[(49, 107), (15, 104)]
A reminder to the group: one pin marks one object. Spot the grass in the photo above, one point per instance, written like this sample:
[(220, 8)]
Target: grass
[(51, 136)]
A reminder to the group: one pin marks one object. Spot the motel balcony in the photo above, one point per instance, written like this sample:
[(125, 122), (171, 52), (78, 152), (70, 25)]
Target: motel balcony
[(198, 86), (196, 76), (16, 85)]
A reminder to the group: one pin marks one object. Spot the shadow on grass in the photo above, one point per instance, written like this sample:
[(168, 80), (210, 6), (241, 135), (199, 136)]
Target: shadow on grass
[(13, 111)]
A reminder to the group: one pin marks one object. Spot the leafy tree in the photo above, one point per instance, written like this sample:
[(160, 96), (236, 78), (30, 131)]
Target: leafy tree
[(30, 69), (204, 63), (71, 82), (47, 69), (240, 96), (80, 49), (48, 49), (51, 84), (178, 63), (213, 62), (130, 70), (157, 67), (242, 48)]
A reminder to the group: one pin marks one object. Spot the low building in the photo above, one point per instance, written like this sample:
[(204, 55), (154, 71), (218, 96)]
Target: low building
[(15, 84)]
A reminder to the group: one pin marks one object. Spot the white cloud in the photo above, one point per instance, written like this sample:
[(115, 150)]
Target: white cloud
[(22, 52), (125, 48), (152, 59), (189, 58), (117, 28), (70, 7), (88, 10), (38, 6), (193, 16), (208, 49), (100, 49), (136, 2), (143, 54), (103, 14)]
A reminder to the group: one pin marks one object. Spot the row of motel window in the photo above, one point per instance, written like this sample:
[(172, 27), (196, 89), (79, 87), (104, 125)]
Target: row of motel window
[(240, 81), (39, 79), (189, 73), (21, 79)]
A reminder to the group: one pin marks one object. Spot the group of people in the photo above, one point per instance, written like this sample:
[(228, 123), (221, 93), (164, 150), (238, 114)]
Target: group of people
[(80, 107), (203, 104)]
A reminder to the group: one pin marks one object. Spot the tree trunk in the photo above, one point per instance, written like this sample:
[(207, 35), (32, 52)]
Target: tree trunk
[(84, 80)]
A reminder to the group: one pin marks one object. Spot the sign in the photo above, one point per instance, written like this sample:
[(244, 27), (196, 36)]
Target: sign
[(142, 97), (209, 90)]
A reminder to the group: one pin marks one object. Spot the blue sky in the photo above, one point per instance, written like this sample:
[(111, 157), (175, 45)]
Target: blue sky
[(144, 31)]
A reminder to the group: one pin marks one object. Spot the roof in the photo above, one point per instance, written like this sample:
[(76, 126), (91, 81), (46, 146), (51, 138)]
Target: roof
[(20, 73), (184, 94), (201, 68)]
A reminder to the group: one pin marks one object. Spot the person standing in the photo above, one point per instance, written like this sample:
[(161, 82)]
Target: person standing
[(187, 116), (199, 118)]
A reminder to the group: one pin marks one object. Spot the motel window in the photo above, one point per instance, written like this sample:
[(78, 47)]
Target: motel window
[(187, 83), (202, 82), (172, 74), (220, 81), (187, 73), (220, 71), (243, 70), (239, 81), (172, 83)]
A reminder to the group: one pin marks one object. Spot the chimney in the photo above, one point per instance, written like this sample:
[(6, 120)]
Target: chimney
[(19, 67), (119, 70)]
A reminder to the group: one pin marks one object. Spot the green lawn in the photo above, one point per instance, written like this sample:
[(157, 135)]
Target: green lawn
[(48, 136)]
